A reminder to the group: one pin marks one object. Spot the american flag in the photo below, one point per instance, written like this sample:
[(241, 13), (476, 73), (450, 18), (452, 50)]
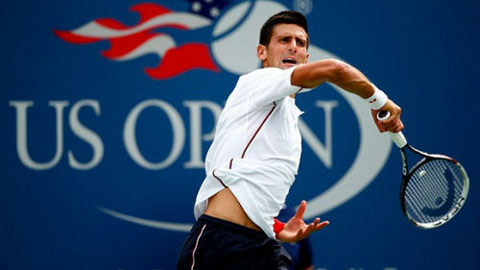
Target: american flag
[(146, 37)]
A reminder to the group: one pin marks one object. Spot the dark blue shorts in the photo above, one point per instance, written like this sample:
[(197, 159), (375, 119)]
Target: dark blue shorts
[(218, 244)]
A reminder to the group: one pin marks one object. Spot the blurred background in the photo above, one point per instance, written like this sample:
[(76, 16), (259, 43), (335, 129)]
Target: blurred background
[(107, 109)]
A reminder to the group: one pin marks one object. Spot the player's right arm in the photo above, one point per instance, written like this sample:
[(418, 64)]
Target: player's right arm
[(347, 77)]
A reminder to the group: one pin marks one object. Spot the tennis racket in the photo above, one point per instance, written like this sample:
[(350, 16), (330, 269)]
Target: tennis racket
[(434, 190)]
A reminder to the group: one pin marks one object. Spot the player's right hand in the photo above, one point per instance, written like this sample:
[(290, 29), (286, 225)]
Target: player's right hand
[(393, 123)]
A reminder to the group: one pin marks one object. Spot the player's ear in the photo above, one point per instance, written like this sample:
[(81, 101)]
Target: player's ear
[(262, 52), (306, 58)]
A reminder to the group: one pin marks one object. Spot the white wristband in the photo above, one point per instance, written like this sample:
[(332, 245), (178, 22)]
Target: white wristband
[(377, 100)]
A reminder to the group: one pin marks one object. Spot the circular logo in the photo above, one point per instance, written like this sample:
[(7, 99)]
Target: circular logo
[(233, 49)]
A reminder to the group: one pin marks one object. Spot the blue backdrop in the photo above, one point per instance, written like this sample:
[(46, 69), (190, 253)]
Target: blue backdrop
[(108, 108)]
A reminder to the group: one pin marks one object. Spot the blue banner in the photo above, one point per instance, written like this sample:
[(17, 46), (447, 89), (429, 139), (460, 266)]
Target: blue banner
[(108, 109)]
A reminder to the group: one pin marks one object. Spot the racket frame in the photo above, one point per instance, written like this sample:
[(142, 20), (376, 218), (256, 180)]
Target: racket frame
[(407, 174)]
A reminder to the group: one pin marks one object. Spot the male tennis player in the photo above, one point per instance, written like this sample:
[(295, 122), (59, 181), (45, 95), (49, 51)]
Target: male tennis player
[(255, 154)]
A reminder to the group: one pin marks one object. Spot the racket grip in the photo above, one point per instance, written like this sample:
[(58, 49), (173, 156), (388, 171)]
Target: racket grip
[(397, 137)]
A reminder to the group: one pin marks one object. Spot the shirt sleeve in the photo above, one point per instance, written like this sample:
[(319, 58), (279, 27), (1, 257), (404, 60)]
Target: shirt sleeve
[(267, 85)]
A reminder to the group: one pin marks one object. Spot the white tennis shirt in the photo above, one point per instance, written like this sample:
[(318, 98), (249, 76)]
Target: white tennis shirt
[(257, 146)]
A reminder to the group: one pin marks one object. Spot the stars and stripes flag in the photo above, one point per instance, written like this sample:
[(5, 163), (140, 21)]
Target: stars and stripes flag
[(146, 37)]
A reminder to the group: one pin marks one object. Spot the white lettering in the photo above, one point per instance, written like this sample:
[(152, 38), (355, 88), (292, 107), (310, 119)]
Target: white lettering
[(86, 134), (196, 138), (323, 152), (178, 130), (22, 147)]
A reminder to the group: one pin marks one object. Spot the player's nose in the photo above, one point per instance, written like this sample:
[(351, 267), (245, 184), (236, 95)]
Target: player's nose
[(292, 46)]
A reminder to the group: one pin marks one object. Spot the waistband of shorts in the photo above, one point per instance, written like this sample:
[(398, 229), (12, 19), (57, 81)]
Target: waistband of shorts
[(233, 227)]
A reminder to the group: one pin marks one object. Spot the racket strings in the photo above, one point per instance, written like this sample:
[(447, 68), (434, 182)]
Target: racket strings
[(433, 190), (438, 188), (435, 200)]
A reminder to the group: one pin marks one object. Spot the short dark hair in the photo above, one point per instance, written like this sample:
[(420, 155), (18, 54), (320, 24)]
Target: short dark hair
[(287, 17)]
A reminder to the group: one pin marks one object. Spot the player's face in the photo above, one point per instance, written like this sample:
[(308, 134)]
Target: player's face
[(287, 47)]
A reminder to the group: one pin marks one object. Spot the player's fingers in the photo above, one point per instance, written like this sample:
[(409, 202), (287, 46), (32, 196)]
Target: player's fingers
[(310, 228), (394, 110), (388, 124), (315, 223), (381, 128), (391, 123), (384, 126), (321, 225), (301, 210), (397, 128), (300, 234), (375, 119)]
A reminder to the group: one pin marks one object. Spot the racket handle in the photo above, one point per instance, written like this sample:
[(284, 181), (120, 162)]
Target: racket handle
[(397, 137)]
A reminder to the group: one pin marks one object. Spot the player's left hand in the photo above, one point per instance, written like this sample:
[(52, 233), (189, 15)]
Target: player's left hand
[(296, 229)]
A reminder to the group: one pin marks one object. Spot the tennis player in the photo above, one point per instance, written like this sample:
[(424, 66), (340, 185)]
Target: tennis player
[(255, 154)]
